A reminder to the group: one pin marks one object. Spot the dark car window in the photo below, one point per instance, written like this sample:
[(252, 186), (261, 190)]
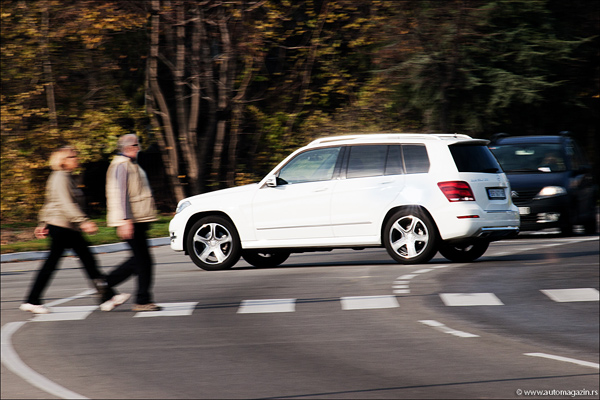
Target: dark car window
[(366, 161), (528, 157), (394, 164), (310, 166), (474, 158), (416, 159)]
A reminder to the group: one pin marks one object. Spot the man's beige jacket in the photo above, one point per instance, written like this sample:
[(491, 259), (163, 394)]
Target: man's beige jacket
[(141, 201)]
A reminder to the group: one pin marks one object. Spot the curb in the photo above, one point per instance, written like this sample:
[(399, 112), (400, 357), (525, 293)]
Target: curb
[(103, 248)]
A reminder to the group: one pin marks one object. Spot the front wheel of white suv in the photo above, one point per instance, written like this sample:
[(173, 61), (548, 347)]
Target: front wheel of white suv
[(410, 237), (213, 243)]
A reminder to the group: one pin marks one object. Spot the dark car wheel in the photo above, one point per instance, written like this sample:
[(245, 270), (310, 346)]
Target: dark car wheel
[(410, 237), (465, 252), (265, 259), (566, 223), (213, 243), (589, 225)]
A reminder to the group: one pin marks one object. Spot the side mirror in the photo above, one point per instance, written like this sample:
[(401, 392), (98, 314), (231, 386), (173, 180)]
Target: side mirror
[(271, 181)]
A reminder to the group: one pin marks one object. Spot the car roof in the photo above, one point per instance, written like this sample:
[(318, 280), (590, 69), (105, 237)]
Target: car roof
[(531, 139), (372, 138)]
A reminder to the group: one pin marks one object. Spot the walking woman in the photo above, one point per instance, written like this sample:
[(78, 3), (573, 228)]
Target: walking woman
[(63, 220)]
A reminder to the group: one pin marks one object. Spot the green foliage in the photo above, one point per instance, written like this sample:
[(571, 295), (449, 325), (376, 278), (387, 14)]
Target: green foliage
[(63, 69)]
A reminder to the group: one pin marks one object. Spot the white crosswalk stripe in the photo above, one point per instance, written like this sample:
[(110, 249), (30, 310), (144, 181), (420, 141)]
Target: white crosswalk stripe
[(267, 306), (170, 310), (368, 302), (572, 295), (470, 299), (66, 313)]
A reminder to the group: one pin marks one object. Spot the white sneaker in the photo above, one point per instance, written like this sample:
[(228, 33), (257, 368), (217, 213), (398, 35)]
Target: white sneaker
[(34, 308), (115, 301)]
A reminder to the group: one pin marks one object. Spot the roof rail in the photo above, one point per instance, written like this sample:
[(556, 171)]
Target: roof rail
[(434, 136)]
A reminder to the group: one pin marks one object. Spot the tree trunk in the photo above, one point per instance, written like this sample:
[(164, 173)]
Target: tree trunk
[(223, 100), (206, 81), (185, 120), (161, 113)]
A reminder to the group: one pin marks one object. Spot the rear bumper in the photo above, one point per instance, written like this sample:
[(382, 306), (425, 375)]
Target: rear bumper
[(468, 221)]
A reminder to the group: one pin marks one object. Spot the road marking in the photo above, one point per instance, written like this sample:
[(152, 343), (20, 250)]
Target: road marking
[(267, 306), (423, 271), (443, 328), (572, 295), (170, 310), (470, 299), (407, 276), (69, 313), (83, 294), (12, 361), (368, 302), (565, 359)]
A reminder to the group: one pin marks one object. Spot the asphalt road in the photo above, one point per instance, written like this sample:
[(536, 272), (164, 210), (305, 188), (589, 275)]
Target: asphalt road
[(345, 324)]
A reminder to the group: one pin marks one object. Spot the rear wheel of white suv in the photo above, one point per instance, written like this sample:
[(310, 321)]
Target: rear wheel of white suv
[(265, 258), (463, 252), (410, 236), (213, 243)]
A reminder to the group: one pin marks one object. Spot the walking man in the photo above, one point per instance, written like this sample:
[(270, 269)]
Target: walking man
[(131, 209)]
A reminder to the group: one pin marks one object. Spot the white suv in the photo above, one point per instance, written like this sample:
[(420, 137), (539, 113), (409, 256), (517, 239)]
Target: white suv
[(415, 194)]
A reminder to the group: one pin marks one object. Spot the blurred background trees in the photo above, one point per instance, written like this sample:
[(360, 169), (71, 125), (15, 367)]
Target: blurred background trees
[(221, 91)]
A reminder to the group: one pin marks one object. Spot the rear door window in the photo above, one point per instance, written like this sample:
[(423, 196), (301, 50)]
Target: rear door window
[(366, 161), (474, 158), (416, 159), (394, 164)]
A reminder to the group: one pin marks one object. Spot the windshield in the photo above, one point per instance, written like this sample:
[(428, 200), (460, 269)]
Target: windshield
[(530, 157)]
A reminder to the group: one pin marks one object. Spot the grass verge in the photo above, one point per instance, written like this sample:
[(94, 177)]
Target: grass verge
[(104, 235)]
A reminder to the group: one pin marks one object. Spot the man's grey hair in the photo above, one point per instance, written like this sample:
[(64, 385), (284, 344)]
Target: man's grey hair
[(126, 140)]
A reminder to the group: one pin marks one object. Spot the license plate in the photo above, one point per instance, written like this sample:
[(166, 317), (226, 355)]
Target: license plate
[(524, 210), (496, 194)]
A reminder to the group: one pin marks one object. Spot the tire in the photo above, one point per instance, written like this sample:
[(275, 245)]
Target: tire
[(410, 237), (464, 252), (213, 243), (265, 259), (566, 224), (589, 225)]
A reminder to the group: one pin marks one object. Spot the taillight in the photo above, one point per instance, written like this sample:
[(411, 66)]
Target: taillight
[(457, 191)]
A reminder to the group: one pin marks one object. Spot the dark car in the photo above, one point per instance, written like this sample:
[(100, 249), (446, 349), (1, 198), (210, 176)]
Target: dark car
[(551, 181)]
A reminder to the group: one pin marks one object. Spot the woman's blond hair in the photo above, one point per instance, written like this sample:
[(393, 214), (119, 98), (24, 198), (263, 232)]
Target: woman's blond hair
[(58, 157)]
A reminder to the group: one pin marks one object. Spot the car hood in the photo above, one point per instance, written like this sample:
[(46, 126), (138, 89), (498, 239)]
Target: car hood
[(537, 180), (236, 193)]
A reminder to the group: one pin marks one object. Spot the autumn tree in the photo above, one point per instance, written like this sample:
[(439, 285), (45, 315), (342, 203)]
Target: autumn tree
[(57, 88)]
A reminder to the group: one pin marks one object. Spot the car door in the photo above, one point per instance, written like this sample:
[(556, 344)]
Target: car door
[(299, 206), (365, 191)]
